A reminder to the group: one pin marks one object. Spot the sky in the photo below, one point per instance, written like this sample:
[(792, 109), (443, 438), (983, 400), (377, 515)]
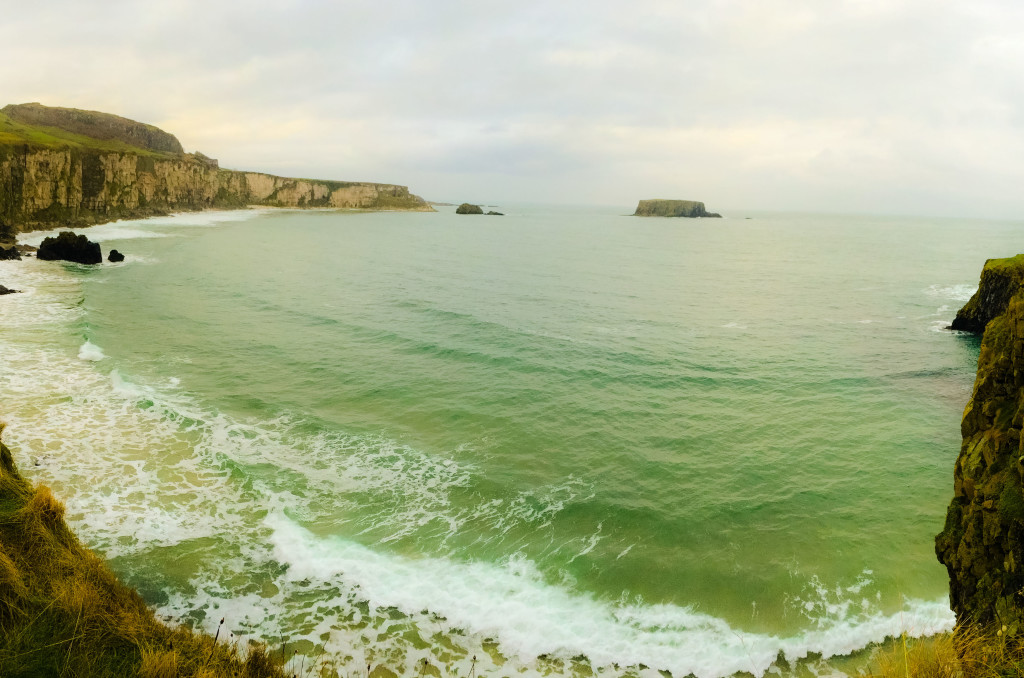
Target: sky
[(867, 106)]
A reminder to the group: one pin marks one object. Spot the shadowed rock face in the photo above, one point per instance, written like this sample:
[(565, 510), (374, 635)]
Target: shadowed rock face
[(672, 208), (982, 543), (97, 126), (1000, 280), (70, 247)]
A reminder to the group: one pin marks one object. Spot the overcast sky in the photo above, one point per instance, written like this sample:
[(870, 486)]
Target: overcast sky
[(885, 106)]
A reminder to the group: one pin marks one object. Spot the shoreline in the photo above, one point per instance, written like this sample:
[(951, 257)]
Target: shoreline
[(563, 659)]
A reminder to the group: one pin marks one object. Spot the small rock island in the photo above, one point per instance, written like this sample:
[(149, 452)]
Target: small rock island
[(672, 208)]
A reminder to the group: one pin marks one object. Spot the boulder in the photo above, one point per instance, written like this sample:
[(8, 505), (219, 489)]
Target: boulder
[(495, 214), (8, 253), (466, 208), (115, 256), (7, 290), (672, 208), (70, 247)]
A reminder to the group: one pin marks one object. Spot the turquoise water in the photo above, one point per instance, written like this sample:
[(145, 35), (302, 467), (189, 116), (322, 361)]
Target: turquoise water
[(564, 433)]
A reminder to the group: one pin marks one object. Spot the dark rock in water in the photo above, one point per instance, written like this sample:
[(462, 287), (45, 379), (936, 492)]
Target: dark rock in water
[(9, 253), (7, 290), (115, 256), (70, 247), (672, 208), (495, 214), (466, 208), (982, 543), (1000, 281)]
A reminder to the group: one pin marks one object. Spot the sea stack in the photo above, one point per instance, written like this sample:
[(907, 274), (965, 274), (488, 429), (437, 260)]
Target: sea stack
[(982, 543), (70, 247), (672, 208)]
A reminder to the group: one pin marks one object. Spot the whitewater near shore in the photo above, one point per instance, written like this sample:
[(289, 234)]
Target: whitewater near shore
[(561, 442)]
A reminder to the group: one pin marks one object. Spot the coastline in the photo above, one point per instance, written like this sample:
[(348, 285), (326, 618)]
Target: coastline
[(128, 398)]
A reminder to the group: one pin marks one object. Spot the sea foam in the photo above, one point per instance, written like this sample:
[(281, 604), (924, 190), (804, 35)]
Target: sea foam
[(91, 352)]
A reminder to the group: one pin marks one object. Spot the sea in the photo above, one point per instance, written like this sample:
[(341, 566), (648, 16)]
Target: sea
[(562, 441)]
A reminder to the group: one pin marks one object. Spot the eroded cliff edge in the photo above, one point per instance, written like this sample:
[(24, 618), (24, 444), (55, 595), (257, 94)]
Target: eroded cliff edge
[(982, 543), (64, 167)]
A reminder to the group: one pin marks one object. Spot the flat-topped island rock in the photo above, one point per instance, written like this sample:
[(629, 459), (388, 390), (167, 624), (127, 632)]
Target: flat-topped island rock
[(672, 208)]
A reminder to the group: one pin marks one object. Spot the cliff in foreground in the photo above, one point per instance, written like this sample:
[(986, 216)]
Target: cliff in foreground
[(65, 167), (982, 543), (63, 613)]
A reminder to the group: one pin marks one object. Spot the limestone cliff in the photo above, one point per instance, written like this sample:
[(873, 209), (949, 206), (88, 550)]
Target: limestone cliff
[(56, 176), (982, 543), (672, 208)]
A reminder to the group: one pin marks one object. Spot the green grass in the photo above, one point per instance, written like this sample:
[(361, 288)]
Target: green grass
[(14, 133), (1009, 263)]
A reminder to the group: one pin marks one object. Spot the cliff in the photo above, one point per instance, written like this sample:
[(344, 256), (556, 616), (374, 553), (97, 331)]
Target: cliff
[(1000, 280), (982, 543), (62, 167), (672, 208)]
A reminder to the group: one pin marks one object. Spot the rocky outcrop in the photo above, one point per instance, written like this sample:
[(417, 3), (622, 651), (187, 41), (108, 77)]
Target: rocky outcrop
[(492, 213), (7, 290), (1001, 279), (672, 208), (9, 252), (70, 247), (466, 208), (982, 543), (131, 170), (115, 256)]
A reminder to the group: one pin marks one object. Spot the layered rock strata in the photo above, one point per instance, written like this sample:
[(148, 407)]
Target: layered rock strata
[(982, 543), (64, 167), (44, 188)]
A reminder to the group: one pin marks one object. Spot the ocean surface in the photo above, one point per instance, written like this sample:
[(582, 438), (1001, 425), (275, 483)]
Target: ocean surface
[(562, 440)]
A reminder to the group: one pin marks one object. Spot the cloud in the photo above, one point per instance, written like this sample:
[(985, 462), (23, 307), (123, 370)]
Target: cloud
[(788, 104)]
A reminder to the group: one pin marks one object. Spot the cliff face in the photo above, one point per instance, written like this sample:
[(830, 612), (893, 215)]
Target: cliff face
[(64, 167), (46, 188), (672, 208), (1000, 280), (982, 543)]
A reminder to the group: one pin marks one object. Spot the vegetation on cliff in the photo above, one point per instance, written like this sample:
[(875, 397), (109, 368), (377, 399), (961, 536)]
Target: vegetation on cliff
[(982, 543), (65, 167), (1000, 280), (672, 208), (63, 613)]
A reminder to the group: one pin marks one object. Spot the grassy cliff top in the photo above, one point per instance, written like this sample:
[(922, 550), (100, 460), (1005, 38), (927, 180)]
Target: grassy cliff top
[(44, 127), (1007, 264)]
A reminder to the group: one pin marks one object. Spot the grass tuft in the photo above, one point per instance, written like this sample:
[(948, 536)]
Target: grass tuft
[(64, 613), (968, 652)]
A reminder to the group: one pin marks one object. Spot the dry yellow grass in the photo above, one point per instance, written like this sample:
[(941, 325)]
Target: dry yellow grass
[(968, 652), (63, 613)]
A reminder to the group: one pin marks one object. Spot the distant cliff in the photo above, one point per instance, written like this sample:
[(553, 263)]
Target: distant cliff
[(68, 167), (982, 543), (672, 208)]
